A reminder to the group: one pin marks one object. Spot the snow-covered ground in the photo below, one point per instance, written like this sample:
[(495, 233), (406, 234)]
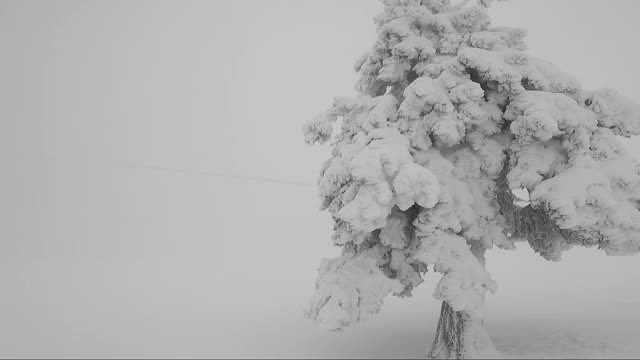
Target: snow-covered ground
[(140, 262)]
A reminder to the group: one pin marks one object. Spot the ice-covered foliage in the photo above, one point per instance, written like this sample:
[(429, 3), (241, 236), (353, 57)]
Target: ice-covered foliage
[(351, 288), (452, 115)]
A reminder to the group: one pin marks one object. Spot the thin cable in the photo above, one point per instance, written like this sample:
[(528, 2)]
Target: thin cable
[(223, 175)]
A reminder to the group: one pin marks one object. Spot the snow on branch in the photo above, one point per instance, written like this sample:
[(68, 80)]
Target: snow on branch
[(350, 289), (465, 279)]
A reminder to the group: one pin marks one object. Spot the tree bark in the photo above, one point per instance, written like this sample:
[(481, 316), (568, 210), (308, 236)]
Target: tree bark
[(461, 336)]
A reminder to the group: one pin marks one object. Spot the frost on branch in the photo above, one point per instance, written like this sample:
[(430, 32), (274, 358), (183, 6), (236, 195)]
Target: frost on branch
[(584, 188), (350, 288), (465, 281), (542, 116), (615, 112), (595, 204), (534, 161), (513, 71), (452, 116), (389, 177), (320, 128)]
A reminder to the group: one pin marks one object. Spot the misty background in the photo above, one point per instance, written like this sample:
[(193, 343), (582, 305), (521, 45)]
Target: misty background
[(157, 198)]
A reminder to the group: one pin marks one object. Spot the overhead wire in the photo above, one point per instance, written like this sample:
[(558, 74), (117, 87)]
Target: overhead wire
[(220, 174)]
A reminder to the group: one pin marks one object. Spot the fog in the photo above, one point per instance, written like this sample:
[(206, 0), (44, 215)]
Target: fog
[(158, 200)]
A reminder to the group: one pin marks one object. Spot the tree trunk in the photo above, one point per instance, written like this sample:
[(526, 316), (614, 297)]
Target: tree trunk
[(459, 335)]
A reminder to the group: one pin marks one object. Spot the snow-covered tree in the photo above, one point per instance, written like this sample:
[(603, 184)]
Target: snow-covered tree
[(460, 141)]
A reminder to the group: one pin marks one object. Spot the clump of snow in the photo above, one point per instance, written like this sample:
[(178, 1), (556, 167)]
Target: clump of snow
[(615, 111), (389, 177), (350, 289), (465, 281), (598, 203), (542, 116)]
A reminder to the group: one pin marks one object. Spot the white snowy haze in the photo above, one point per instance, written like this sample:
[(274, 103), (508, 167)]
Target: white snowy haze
[(157, 197)]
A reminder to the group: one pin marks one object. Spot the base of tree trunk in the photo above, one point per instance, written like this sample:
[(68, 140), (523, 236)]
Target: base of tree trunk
[(459, 336)]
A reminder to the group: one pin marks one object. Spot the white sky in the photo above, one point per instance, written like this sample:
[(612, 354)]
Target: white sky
[(103, 254)]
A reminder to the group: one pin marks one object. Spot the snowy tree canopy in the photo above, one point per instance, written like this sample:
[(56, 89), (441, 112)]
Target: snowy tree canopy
[(452, 116)]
